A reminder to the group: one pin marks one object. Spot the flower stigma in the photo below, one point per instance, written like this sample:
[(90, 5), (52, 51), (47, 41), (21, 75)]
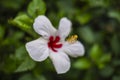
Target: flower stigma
[(72, 39), (54, 43)]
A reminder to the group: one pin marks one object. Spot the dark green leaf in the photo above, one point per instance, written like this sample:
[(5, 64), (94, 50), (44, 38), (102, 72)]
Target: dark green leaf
[(105, 58), (12, 4), (116, 78), (20, 53), (116, 62), (107, 71), (27, 64), (115, 44), (87, 34), (2, 32), (31, 77)]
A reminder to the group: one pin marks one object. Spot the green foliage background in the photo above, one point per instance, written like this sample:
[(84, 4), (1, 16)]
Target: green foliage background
[(96, 22)]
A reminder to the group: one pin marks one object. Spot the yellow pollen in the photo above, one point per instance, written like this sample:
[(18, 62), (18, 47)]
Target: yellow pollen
[(72, 39)]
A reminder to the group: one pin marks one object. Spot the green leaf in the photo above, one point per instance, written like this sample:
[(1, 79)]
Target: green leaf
[(9, 64), (27, 64), (12, 4), (102, 3), (20, 53), (24, 22), (15, 40), (18, 35), (83, 63), (98, 56), (116, 62), (87, 34), (105, 58), (116, 78), (26, 77), (84, 18), (107, 71), (36, 7), (89, 75), (114, 14), (96, 53), (2, 32), (115, 44), (31, 77)]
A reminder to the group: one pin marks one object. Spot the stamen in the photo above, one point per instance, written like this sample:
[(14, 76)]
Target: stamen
[(72, 39)]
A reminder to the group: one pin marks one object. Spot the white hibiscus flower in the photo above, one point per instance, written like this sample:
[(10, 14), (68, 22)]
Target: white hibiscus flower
[(53, 44)]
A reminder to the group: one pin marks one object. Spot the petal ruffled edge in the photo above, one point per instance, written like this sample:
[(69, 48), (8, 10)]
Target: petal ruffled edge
[(74, 49), (60, 61), (64, 28), (37, 49), (43, 26)]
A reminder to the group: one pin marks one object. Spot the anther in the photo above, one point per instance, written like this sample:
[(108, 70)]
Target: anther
[(72, 39)]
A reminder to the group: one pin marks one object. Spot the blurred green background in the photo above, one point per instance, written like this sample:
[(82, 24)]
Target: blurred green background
[(96, 22)]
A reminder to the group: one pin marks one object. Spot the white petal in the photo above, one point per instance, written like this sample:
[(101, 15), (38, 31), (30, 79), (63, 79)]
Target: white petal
[(60, 61), (37, 49), (74, 49), (43, 26), (64, 28)]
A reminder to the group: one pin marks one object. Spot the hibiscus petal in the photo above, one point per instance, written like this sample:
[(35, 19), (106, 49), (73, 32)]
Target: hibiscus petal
[(74, 49), (37, 49), (60, 61), (64, 28), (43, 26)]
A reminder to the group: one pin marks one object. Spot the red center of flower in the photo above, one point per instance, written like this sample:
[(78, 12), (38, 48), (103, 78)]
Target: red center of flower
[(53, 43)]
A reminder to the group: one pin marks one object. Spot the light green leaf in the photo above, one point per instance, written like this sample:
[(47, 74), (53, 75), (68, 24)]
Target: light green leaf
[(96, 52), (24, 22), (114, 14), (102, 3), (84, 18), (36, 7), (83, 63)]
